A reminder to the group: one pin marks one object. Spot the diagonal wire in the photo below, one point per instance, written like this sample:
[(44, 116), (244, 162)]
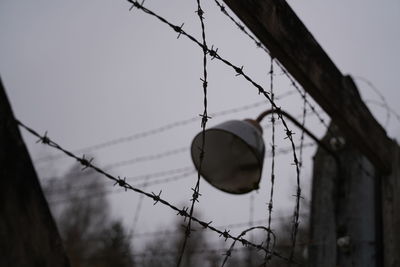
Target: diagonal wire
[(166, 127), (229, 252), (121, 190), (180, 174), (88, 163), (242, 28), (136, 160), (384, 104), (213, 53), (65, 187)]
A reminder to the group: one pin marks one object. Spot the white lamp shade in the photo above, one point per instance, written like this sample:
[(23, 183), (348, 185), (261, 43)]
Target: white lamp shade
[(233, 156)]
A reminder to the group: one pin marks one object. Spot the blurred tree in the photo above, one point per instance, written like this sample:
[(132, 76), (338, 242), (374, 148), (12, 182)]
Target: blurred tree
[(81, 210), (92, 239), (163, 250)]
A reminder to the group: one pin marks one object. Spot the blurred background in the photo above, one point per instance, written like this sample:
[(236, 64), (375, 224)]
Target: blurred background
[(118, 86)]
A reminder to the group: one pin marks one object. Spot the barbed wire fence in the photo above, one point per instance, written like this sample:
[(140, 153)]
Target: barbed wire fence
[(184, 172), (207, 52), (121, 182), (214, 54), (168, 176), (158, 130)]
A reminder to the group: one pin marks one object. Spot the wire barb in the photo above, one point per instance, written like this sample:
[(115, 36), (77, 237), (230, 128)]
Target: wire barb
[(121, 182), (156, 198), (240, 72), (204, 118)]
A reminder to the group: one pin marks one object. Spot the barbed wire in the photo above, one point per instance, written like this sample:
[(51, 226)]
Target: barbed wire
[(388, 109), (204, 118), (213, 53), (121, 182), (181, 173), (229, 252), (108, 192), (271, 195), (65, 186), (306, 101), (303, 123), (159, 130), (292, 80), (135, 160), (242, 28), (295, 229), (379, 94), (268, 125)]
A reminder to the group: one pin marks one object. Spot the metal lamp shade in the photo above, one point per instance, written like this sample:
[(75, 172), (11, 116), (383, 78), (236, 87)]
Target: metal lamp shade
[(233, 156)]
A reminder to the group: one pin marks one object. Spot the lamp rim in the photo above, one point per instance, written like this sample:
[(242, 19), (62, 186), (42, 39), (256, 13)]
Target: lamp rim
[(253, 151)]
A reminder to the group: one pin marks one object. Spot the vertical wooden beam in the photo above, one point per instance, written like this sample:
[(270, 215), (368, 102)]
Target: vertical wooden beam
[(345, 225), (322, 247), (391, 213), (28, 234)]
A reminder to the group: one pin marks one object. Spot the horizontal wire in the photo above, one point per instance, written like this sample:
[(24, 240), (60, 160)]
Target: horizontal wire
[(158, 130), (186, 173), (65, 187), (100, 194), (132, 161)]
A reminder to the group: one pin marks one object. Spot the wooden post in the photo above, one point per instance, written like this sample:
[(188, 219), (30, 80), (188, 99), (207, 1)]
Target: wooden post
[(322, 247), (391, 212), (28, 234), (345, 225)]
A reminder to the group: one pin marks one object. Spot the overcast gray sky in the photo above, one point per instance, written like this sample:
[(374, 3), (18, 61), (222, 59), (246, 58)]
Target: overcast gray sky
[(91, 71)]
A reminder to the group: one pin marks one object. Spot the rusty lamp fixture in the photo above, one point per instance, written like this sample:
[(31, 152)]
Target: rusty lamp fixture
[(234, 153)]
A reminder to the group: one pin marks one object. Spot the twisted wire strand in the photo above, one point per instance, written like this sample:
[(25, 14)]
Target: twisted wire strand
[(196, 190), (271, 194), (178, 174), (296, 86), (242, 28), (229, 252), (121, 182), (213, 53)]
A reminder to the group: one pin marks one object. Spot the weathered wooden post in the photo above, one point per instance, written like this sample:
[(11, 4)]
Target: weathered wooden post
[(345, 213), (390, 201), (28, 234)]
